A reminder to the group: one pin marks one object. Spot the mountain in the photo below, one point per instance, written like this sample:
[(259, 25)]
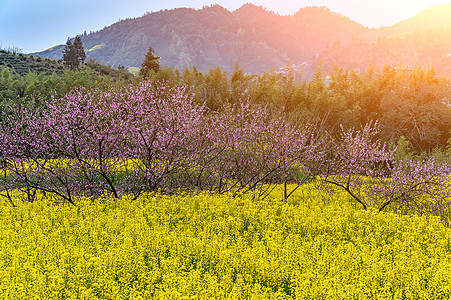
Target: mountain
[(421, 41), (432, 18), (260, 40), (255, 38)]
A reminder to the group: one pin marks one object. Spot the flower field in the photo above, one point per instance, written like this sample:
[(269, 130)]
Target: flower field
[(315, 245), (141, 193)]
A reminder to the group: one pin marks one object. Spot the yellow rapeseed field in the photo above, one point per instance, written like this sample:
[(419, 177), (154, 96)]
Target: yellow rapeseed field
[(313, 246)]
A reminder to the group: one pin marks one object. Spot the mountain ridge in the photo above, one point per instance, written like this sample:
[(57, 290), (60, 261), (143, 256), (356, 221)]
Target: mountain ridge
[(255, 38)]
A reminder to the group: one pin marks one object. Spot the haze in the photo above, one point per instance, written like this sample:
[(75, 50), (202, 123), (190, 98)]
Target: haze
[(32, 25)]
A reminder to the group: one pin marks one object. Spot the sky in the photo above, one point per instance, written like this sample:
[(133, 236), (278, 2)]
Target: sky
[(36, 25)]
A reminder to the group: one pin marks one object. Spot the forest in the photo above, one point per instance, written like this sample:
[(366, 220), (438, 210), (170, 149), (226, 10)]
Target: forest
[(411, 104)]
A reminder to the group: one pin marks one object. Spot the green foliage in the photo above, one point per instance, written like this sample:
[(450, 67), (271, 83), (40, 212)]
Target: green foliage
[(165, 74), (74, 53), (33, 87), (6, 85), (409, 103), (20, 64), (216, 88), (403, 151), (78, 46), (70, 55), (119, 75), (150, 64)]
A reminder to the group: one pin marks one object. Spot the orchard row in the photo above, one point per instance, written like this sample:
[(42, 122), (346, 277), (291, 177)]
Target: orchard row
[(152, 137)]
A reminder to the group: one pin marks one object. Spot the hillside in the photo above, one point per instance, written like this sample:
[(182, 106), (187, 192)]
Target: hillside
[(431, 18), (21, 64), (260, 40), (255, 38), (421, 41)]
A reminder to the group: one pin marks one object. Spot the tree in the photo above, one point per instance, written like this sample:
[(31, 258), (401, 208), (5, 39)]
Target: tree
[(70, 56), (79, 49), (216, 88), (150, 63), (158, 130), (74, 53), (238, 84)]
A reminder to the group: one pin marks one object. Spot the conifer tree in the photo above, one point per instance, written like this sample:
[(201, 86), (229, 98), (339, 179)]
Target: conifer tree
[(70, 56), (150, 63), (74, 53), (79, 48)]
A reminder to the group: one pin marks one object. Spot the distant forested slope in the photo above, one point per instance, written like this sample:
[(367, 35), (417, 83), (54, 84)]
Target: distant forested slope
[(255, 38), (260, 40)]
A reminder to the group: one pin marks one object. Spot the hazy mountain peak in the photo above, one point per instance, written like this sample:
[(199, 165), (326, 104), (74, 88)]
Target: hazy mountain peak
[(322, 13), (214, 7), (250, 8), (433, 17), (260, 40)]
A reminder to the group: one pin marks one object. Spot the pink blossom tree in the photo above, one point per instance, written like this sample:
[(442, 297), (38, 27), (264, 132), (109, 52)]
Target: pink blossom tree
[(154, 138), (358, 163), (347, 160), (257, 150), (120, 141), (421, 186)]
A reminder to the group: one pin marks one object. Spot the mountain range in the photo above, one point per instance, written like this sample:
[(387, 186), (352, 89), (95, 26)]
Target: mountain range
[(260, 40)]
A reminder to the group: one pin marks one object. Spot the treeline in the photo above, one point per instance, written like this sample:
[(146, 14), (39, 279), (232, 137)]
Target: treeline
[(410, 105)]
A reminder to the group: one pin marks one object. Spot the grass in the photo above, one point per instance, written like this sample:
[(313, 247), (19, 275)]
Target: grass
[(96, 47)]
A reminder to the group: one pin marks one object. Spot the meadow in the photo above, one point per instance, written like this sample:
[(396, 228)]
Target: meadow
[(313, 246)]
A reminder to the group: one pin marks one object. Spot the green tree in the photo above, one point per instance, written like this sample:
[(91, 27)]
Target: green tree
[(216, 88), (6, 85), (74, 53), (81, 55), (239, 84), (150, 63), (70, 56)]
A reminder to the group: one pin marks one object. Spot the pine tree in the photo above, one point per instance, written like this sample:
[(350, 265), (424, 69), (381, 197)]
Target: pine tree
[(150, 63), (70, 57), (74, 53), (80, 50)]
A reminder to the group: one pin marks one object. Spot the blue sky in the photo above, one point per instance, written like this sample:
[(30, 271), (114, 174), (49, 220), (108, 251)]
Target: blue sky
[(35, 25)]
